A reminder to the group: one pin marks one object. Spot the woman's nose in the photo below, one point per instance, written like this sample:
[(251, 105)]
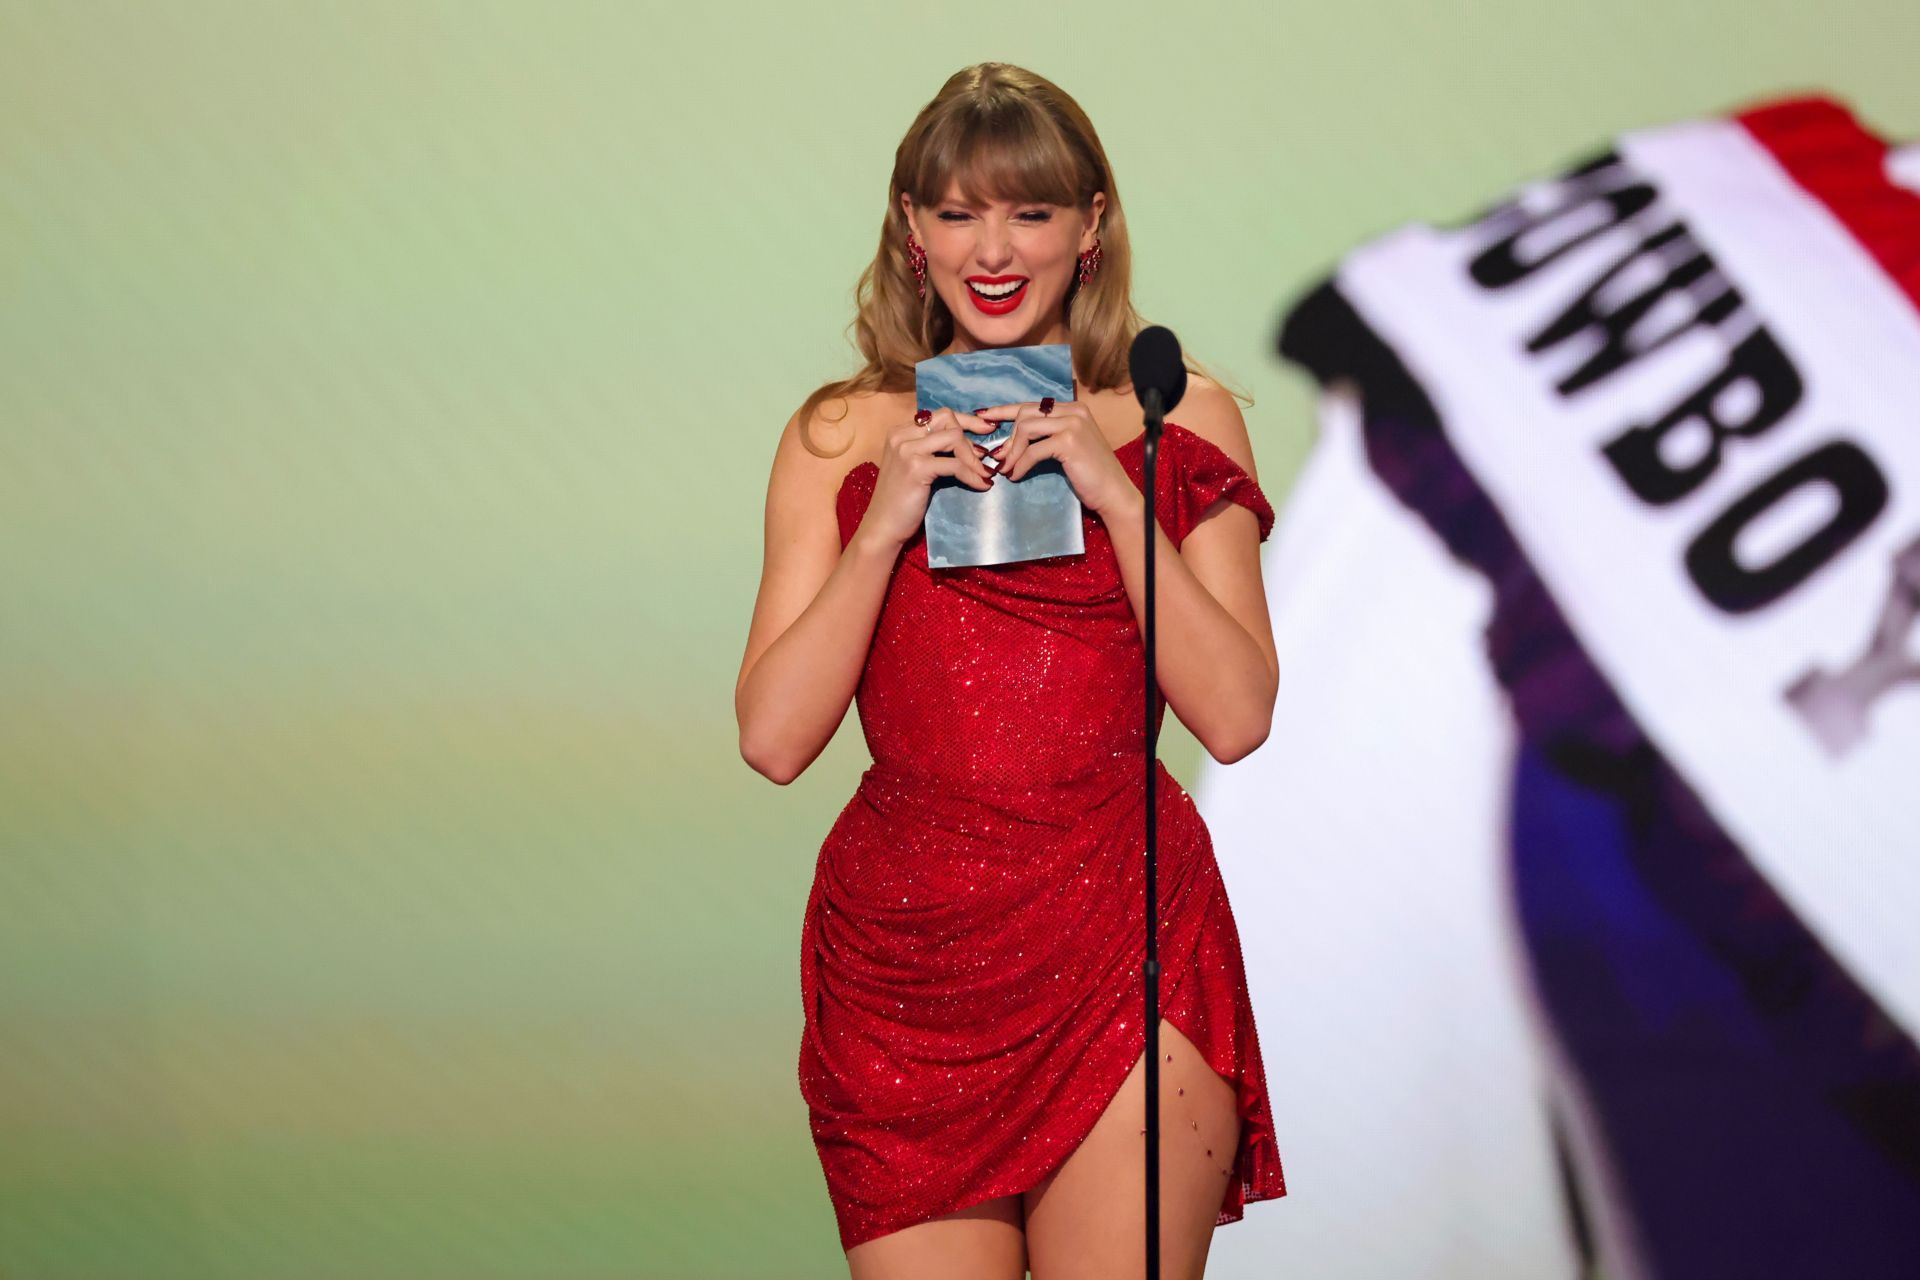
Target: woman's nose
[(995, 249)]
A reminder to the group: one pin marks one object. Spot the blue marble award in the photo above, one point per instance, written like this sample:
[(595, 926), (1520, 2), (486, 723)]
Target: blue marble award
[(1030, 518)]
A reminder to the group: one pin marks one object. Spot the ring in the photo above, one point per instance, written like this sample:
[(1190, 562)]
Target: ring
[(923, 418), (1046, 405)]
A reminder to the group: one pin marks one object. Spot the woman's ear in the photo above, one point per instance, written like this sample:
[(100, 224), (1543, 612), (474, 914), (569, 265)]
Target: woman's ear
[(906, 209), (1095, 208)]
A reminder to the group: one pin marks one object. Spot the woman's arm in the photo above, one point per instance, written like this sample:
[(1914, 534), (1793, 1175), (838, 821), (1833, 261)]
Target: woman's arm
[(1215, 657), (813, 619)]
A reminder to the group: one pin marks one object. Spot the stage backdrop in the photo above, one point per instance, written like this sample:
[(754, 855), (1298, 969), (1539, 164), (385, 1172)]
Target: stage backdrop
[(387, 402)]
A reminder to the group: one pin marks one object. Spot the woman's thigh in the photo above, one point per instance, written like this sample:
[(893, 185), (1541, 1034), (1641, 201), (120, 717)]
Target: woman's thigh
[(1088, 1218), (982, 1242)]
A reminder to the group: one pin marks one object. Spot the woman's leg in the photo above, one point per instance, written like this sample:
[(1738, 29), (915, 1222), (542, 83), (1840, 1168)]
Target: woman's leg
[(1087, 1220), (982, 1242)]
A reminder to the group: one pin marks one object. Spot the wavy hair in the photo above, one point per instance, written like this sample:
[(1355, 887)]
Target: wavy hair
[(1001, 133)]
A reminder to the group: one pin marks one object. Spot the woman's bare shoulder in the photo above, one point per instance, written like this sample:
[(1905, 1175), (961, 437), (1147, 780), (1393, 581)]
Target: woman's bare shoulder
[(1210, 396), (851, 419), (1212, 412), (1206, 408), (838, 435)]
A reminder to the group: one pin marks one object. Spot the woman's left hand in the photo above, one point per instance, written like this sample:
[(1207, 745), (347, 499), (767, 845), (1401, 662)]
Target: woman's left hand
[(1070, 436)]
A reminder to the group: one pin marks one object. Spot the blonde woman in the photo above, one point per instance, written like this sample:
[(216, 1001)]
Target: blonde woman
[(971, 953)]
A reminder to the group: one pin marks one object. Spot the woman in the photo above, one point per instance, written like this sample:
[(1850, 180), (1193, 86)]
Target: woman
[(973, 1053)]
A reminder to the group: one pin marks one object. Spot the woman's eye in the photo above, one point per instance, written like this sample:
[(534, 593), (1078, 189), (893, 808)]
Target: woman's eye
[(1030, 216)]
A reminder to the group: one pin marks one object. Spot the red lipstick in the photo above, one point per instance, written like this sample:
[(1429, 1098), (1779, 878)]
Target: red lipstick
[(1002, 300)]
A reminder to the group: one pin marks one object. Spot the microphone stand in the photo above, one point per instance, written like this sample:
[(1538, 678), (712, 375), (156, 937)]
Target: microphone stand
[(1150, 971)]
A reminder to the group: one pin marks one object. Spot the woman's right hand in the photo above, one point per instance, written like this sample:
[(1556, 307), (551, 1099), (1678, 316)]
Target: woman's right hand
[(911, 459)]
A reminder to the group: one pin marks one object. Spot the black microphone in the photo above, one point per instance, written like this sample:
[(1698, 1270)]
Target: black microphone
[(1159, 375), (1159, 380)]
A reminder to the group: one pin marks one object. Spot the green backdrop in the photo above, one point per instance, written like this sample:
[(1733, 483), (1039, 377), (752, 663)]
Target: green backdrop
[(387, 393)]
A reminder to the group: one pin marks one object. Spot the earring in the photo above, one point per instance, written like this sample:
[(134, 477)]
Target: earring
[(917, 259), (1090, 262)]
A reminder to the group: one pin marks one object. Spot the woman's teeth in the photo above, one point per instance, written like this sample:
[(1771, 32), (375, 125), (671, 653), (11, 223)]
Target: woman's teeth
[(996, 292)]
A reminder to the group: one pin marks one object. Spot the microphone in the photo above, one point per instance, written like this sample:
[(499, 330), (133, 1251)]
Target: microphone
[(1159, 380), (1159, 375)]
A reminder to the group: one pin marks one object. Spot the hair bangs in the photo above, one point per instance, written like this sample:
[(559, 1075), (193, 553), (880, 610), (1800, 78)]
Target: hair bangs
[(1006, 150)]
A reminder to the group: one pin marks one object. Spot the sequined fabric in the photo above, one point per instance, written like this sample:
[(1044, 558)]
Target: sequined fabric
[(970, 957)]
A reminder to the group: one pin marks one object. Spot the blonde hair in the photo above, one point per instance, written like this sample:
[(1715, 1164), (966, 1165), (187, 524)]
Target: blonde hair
[(1002, 133)]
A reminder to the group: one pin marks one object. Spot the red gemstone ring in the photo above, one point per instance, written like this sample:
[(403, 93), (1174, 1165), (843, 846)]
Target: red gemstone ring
[(923, 418), (1046, 405)]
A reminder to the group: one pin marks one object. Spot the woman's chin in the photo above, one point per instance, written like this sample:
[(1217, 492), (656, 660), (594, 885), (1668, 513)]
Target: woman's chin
[(1014, 329)]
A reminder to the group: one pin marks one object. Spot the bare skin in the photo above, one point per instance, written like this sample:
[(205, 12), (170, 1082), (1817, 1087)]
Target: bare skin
[(814, 619)]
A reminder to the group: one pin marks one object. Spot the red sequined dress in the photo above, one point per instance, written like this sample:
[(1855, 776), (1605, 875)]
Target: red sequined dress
[(971, 953)]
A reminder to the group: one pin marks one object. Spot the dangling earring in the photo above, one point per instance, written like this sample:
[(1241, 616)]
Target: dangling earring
[(1090, 262), (917, 259)]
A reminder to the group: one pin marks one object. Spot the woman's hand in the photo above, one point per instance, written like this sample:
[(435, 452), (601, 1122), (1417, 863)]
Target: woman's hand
[(912, 458), (1069, 435)]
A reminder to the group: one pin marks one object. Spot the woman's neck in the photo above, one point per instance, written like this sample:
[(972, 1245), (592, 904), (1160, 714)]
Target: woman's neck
[(962, 341)]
